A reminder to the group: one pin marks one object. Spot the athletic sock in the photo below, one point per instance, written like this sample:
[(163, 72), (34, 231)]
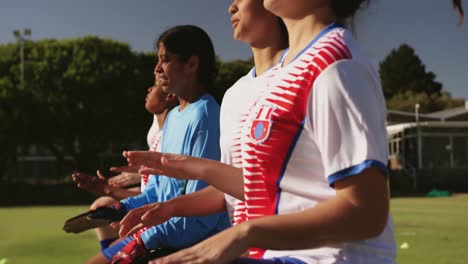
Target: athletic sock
[(106, 242)]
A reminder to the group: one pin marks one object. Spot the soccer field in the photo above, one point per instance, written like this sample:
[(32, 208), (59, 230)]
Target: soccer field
[(34, 235), (435, 230)]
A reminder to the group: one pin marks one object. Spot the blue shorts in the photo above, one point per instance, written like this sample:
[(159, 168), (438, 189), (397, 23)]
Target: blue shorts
[(280, 260), (112, 250)]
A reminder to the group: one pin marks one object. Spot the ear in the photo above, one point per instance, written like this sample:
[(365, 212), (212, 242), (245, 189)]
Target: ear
[(193, 63)]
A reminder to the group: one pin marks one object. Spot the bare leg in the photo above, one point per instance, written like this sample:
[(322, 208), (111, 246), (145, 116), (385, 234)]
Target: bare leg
[(98, 259), (105, 232)]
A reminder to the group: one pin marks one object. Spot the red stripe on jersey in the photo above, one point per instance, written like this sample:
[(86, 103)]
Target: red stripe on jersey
[(263, 162)]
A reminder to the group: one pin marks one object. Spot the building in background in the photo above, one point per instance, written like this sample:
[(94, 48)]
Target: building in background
[(430, 150)]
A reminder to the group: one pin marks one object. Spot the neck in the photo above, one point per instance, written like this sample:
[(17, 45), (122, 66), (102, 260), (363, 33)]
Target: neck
[(267, 52), (303, 30), (265, 58), (161, 117), (191, 94)]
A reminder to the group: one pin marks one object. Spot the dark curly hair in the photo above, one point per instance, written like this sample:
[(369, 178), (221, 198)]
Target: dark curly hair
[(346, 8)]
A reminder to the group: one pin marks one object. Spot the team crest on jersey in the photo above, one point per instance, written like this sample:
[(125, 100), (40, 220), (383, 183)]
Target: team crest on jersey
[(261, 125)]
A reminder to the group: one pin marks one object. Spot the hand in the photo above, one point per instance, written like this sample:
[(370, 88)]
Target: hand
[(221, 248), (158, 214), (134, 230), (125, 179), (132, 219), (132, 251), (173, 165), (112, 213), (96, 185), (147, 215)]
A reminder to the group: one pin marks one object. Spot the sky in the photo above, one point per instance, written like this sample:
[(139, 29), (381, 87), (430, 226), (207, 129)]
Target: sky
[(429, 26)]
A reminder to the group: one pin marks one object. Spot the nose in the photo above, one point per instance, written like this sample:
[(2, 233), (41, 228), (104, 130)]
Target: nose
[(232, 8), (157, 68), (149, 89)]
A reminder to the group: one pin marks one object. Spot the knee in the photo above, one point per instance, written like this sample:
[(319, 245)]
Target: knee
[(103, 201)]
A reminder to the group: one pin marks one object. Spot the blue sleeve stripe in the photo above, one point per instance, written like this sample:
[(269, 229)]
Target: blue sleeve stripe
[(114, 249), (356, 169)]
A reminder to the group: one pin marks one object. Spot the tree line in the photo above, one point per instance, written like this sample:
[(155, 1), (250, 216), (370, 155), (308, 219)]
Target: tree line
[(80, 97), (84, 96)]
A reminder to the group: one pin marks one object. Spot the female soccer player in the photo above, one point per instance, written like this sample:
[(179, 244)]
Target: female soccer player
[(186, 67)]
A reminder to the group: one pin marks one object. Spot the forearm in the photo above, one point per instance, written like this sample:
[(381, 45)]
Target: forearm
[(136, 201), (181, 232), (204, 202), (226, 178), (120, 193), (354, 214), (223, 177)]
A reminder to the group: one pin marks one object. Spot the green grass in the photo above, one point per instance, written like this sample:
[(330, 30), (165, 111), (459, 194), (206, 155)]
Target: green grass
[(436, 230), (34, 235)]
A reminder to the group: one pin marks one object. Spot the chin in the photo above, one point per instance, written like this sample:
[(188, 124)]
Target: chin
[(151, 110), (238, 37), (166, 89), (148, 106)]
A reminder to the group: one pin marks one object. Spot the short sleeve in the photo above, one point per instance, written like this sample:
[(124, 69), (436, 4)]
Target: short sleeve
[(348, 114)]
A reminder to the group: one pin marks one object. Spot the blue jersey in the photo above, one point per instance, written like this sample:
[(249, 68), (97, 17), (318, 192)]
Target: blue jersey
[(195, 132)]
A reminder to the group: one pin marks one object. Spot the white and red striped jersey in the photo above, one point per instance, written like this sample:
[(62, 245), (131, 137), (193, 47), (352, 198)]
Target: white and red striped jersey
[(236, 105), (154, 139), (321, 118)]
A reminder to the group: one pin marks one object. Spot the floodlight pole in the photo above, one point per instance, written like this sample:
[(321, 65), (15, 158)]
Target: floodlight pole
[(21, 38), (418, 131)]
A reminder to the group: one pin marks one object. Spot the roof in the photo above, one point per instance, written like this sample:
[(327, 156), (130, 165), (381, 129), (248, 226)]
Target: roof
[(449, 113), (394, 129), (402, 116)]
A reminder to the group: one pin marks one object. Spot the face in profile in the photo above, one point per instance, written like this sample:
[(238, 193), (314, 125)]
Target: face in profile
[(157, 100), (170, 71), (250, 20)]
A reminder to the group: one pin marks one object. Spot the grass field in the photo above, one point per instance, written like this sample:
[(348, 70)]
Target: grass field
[(34, 235), (435, 230)]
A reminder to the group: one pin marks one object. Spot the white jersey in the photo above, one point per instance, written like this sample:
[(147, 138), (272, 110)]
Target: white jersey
[(235, 107), (154, 139), (321, 119)]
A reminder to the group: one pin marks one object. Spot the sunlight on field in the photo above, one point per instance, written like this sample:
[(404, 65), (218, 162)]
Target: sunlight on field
[(428, 230), (34, 235), (434, 229)]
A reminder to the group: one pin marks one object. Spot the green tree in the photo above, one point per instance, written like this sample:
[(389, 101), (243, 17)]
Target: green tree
[(81, 96), (228, 74), (406, 82), (405, 101), (12, 127), (402, 70)]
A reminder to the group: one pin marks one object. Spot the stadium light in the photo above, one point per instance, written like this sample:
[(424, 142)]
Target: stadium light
[(21, 38), (416, 112), (418, 135)]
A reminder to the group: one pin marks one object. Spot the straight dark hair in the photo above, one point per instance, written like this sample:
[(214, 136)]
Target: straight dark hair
[(344, 9), (188, 40)]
